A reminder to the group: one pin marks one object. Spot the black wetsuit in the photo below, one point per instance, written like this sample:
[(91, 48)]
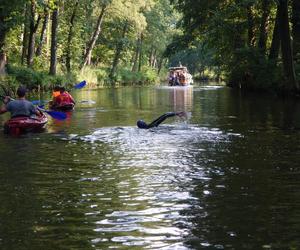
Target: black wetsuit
[(155, 123)]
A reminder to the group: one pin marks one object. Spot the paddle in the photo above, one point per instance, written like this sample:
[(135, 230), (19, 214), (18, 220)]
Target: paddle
[(80, 85), (77, 86), (54, 114), (37, 102)]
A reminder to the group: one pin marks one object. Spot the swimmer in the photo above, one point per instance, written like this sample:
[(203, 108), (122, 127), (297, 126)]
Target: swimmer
[(143, 125)]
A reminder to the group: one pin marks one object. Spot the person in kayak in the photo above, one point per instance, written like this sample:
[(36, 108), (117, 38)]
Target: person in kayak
[(56, 91), (20, 106), (63, 98), (143, 125)]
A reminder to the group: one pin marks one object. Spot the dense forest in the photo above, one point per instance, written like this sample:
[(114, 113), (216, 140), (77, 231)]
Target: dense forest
[(254, 44), (250, 44), (44, 42)]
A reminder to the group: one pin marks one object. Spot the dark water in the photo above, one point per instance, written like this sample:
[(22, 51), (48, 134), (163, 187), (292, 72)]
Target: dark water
[(228, 177)]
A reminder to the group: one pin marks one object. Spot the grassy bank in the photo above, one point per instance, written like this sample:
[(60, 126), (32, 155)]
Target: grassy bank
[(95, 77)]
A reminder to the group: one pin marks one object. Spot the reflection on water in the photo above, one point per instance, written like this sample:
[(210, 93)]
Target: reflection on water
[(226, 178), (181, 98), (154, 195)]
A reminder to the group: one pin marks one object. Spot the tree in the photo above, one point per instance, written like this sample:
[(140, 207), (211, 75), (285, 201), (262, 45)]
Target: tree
[(286, 46), (275, 45), (10, 13), (131, 18), (95, 35), (53, 57), (32, 32), (43, 32), (70, 37), (119, 49), (263, 29), (296, 30)]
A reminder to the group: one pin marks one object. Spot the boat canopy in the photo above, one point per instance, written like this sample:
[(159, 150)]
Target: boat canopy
[(177, 68)]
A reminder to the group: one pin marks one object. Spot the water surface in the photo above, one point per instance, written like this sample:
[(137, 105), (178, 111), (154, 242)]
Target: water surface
[(227, 177)]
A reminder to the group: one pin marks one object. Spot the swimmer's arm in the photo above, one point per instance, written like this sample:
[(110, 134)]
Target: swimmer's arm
[(160, 119)]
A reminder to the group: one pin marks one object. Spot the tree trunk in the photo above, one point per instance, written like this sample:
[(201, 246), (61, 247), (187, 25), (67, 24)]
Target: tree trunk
[(92, 42), (251, 37), (2, 52), (141, 53), (32, 31), (53, 57), (151, 56), (70, 36), (154, 60), (43, 33), (296, 30), (25, 34), (263, 29), (286, 48), (136, 56), (2, 44), (275, 46), (160, 64), (118, 52)]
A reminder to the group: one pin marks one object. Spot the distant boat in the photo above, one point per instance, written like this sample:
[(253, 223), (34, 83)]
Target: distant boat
[(179, 76)]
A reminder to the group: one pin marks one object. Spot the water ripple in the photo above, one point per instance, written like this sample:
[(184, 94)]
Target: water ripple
[(147, 170)]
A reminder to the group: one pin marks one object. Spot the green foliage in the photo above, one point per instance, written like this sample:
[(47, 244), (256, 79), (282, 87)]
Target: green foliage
[(196, 58), (127, 77), (35, 79), (150, 22), (251, 70), (10, 11), (96, 77), (234, 39)]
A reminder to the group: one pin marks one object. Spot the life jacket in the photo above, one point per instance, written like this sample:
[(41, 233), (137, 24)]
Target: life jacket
[(55, 93), (63, 99)]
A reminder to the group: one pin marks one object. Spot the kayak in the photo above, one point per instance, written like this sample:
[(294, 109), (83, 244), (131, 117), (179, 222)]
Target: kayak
[(63, 107), (23, 124)]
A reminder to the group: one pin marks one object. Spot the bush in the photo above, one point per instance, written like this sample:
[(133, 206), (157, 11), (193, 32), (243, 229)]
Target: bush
[(34, 80), (145, 77), (89, 74), (9, 85), (102, 76)]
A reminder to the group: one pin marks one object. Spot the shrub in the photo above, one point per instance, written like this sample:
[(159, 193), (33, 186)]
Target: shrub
[(34, 80), (145, 77)]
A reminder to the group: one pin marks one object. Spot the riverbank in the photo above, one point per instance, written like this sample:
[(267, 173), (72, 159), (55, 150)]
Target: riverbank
[(37, 81)]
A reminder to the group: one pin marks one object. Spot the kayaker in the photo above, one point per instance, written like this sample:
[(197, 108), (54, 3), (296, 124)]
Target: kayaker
[(20, 106), (56, 91), (143, 125), (63, 98)]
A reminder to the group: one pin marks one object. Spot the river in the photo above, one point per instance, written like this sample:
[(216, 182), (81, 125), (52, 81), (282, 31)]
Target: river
[(225, 177)]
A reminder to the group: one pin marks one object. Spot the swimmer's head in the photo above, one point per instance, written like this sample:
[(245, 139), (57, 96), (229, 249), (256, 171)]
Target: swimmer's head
[(141, 124)]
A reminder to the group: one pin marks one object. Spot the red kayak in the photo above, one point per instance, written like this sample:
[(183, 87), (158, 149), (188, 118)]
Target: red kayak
[(63, 107), (19, 125)]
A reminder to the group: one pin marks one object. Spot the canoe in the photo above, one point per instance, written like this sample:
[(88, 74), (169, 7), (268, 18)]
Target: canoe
[(63, 107), (22, 124)]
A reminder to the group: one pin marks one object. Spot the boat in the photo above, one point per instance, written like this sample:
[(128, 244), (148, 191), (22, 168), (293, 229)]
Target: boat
[(179, 76), (23, 124), (63, 107)]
